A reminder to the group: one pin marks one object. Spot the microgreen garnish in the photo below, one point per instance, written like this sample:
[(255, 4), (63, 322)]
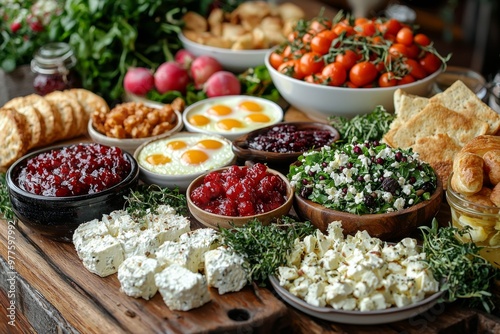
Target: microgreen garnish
[(363, 178), (147, 198), (265, 247), (5, 206), (465, 273)]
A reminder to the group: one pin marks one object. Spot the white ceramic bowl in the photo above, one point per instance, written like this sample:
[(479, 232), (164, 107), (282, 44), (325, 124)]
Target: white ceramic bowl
[(271, 108), (182, 181), (320, 102), (131, 144), (232, 60)]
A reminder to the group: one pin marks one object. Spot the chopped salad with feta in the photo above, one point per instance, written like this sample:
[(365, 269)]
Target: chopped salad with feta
[(363, 178)]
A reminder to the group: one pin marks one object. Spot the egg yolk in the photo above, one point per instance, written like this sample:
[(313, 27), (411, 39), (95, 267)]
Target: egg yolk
[(251, 106), (210, 144), (258, 118), (193, 157), (199, 120), (158, 159), (229, 123), (219, 110), (176, 145)]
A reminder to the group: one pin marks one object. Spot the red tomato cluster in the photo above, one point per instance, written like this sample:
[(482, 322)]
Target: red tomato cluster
[(356, 53)]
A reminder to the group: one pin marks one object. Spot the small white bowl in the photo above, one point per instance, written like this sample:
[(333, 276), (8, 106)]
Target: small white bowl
[(181, 181), (131, 144), (231, 60), (320, 102), (272, 109)]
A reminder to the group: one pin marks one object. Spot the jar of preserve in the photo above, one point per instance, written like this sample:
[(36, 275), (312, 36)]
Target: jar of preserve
[(53, 63)]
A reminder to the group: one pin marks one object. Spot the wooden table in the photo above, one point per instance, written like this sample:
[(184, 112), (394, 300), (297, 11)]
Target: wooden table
[(54, 293)]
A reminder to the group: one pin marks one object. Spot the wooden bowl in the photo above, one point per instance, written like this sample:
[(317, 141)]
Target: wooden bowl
[(216, 221), (279, 161), (392, 226)]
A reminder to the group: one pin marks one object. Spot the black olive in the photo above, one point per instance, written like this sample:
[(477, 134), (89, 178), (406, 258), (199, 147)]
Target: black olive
[(390, 185)]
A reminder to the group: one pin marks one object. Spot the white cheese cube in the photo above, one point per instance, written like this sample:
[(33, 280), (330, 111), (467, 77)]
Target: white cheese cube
[(361, 290), (323, 243), (355, 257), (137, 276), (310, 259), (343, 303), (391, 253), (112, 221), (181, 253), (143, 243), (309, 243), (169, 227), (295, 256), (401, 299), (426, 283), (414, 268), (373, 302), (102, 255), (87, 231), (335, 232), (371, 280), (300, 287), (286, 274), (224, 270), (126, 224), (181, 289), (201, 241), (331, 260), (315, 294)]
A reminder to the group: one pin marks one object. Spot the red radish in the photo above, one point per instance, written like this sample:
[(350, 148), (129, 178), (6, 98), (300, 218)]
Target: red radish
[(184, 57), (171, 76), (202, 68), (222, 83), (138, 80)]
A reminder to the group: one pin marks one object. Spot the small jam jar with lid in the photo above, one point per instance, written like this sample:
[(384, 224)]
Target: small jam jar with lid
[(53, 63)]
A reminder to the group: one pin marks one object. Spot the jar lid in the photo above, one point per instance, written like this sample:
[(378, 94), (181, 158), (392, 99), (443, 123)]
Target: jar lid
[(53, 58)]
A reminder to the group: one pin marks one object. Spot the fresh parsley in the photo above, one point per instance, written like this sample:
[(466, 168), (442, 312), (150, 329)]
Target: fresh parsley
[(5, 205), (371, 126), (466, 275), (265, 247), (147, 198)]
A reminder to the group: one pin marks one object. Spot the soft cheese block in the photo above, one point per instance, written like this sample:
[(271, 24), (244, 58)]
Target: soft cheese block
[(102, 255), (224, 270), (181, 289), (137, 276)]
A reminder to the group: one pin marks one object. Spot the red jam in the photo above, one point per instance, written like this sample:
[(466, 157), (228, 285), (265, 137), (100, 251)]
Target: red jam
[(240, 191), (286, 138), (74, 170)]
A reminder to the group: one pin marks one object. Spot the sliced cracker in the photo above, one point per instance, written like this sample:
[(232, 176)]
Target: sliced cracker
[(36, 124), (93, 104), (15, 136), (79, 122), (63, 107)]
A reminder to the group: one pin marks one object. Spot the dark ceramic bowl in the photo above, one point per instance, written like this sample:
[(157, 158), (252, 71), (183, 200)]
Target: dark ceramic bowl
[(278, 161), (58, 217)]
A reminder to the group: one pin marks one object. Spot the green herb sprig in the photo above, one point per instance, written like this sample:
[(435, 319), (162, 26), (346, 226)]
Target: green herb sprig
[(256, 81), (265, 247), (465, 273), (371, 126), (147, 198), (5, 206)]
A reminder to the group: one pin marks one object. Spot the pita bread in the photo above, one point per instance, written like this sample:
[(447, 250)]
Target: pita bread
[(15, 136)]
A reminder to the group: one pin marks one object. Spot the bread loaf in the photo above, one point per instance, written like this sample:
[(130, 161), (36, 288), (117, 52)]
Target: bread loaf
[(467, 176)]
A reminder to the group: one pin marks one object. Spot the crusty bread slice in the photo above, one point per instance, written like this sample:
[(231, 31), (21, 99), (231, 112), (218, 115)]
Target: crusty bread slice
[(15, 136), (35, 121), (434, 119), (93, 104), (460, 98)]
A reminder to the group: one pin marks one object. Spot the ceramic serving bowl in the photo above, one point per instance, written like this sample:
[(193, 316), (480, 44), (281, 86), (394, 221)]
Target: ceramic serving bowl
[(281, 137), (58, 217), (231, 116), (217, 220), (392, 226), (180, 171), (131, 144), (231, 60), (320, 101)]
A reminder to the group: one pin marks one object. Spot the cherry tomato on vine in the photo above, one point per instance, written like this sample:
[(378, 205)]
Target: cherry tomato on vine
[(319, 25), (405, 36), (415, 69), (406, 80), (348, 59), (398, 50), (363, 73), (422, 39), (322, 41), (412, 51), (390, 27), (366, 29), (387, 79), (315, 78), (335, 74), (291, 68), (275, 60), (430, 63), (310, 63), (341, 27)]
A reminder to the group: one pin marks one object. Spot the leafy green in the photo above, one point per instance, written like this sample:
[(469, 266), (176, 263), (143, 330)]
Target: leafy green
[(465, 273), (192, 95), (371, 126), (265, 247), (256, 81), (5, 205), (147, 198)]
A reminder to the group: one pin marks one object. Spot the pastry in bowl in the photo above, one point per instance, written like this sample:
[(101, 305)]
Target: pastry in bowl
[(368, 186)]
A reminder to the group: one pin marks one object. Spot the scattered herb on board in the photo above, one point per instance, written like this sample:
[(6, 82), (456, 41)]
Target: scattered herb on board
[(265, 247), (149, 197), (5, 206), (466, 274), (371, 126)]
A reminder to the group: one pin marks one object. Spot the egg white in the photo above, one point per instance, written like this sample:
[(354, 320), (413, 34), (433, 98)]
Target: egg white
[(177, 166)]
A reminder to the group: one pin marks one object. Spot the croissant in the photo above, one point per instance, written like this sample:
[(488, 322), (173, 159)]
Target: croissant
[(468, 174)]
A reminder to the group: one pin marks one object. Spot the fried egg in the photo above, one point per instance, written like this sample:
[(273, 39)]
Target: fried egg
[(185, 154), (233, 114)]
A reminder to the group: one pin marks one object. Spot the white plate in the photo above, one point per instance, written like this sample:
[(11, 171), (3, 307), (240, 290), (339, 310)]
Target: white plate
[(357, 317)]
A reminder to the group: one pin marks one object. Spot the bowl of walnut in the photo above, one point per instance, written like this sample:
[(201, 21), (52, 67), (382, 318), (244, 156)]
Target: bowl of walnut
[(128, 125)]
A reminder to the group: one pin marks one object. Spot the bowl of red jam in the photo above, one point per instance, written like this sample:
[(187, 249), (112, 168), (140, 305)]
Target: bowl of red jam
[(54, 190), (238, 194), (281, 144)]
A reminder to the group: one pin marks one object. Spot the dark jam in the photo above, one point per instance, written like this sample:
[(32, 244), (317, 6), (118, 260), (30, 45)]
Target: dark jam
[(74, 170), (287, 138)]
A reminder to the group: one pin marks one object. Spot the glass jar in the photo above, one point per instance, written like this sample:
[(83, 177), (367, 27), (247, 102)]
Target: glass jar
[(53, 63), (483, 220)]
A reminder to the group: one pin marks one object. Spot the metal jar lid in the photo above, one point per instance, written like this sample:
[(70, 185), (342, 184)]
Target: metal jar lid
[(53, 58)]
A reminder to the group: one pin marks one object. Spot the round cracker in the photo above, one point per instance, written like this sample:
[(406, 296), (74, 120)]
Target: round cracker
[(63, 107), (35, 122), (15, 136), (91, 103)]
